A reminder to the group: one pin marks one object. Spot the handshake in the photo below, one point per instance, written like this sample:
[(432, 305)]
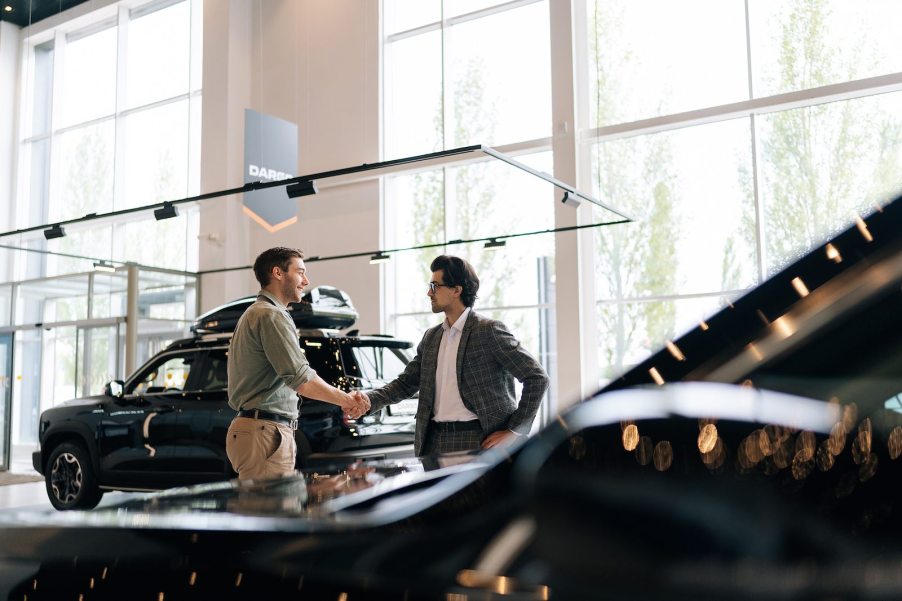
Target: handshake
[(356, 404)]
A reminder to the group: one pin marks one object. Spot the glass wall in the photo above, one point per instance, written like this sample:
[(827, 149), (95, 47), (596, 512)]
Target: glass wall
[(110, 121), (459, 73), (739, 134), (67, 336)]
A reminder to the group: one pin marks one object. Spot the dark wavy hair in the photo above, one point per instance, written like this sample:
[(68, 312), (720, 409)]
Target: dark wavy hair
[(279, 256), (458, 272)]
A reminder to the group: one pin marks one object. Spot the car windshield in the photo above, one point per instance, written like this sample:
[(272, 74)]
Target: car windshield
[(372, 361), (166, 374)]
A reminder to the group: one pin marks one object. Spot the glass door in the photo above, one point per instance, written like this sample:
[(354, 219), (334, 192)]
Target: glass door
[(98, 358), (6, 368)]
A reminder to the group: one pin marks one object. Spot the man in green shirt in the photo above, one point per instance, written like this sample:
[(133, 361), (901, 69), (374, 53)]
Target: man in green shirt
[(267, 370)]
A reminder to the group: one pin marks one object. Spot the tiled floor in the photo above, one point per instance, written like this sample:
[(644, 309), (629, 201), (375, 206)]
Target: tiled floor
[(28, 494), (32, 495)]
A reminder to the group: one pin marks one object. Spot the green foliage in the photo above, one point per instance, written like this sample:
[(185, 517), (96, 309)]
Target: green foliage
[(87, 188), (817, 160), (472, 188), (637, 260)]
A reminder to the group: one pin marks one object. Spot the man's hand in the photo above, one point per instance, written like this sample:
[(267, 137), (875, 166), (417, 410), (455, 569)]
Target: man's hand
[(357, 404), (499, 439)]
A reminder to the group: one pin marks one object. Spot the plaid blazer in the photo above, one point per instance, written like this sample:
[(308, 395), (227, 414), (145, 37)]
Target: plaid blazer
[(488, 360)]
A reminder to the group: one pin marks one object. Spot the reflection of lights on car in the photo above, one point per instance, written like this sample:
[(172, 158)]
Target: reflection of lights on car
[(753, 350), (825, 458), (800, 287), (849, 416), (630, 437), (805, 446), (836, 442), (766, 438), (863, 228), (833, 254), (894, 442), (656, 376), (663, 456), (675, 351), (715, 458), (784, 326), (707, 438)]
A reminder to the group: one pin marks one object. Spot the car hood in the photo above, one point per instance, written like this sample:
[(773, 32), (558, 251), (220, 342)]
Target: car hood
[(362, 494), (82, 402), (378, 492)]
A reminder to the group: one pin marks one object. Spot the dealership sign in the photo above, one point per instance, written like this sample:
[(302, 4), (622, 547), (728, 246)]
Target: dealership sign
[(270, 154)]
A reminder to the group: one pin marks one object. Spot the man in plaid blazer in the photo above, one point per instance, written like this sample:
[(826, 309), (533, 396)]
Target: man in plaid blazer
[(464, 370)]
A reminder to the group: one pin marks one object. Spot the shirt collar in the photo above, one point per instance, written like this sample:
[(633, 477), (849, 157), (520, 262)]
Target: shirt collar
[(459, 324), (273, 299)]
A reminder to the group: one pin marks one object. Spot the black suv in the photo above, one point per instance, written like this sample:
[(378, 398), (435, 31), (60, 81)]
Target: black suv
[(166, 425)]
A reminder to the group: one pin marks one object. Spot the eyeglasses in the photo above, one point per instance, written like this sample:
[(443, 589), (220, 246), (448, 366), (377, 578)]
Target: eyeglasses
[(433, 286)]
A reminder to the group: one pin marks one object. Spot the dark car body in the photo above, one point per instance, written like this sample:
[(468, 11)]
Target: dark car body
[(677, 491), (167, 426), (579, 511)]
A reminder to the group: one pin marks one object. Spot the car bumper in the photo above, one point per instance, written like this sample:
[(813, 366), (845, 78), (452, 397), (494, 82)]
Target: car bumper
[(36, 462)]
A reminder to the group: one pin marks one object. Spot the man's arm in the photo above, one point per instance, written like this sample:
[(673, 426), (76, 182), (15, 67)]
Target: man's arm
[(520, 364), (280, 344), (402, 387), (319, 389)]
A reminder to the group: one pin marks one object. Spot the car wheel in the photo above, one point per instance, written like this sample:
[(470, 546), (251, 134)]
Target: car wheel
[(70, 479), (304, 449)]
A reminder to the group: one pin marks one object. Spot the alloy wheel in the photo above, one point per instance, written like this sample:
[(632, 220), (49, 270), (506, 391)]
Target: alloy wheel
[(66, 478)]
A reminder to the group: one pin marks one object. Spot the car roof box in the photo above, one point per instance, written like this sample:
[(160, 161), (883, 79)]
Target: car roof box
[(321, 307)]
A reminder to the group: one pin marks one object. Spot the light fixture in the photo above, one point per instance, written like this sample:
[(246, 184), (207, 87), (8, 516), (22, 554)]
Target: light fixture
[(494, 244), (167, 211), (570, 199), (302, 188), (379, 257), (8, 8), (56, 231), (105, 267)]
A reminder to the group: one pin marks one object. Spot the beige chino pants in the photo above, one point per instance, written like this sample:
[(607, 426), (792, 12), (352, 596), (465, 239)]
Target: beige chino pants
[(260, 449)]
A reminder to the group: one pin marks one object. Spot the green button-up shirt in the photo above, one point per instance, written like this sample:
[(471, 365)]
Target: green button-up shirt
[(266, 362)]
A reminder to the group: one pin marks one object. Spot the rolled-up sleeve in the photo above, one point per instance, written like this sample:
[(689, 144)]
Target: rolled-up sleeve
[(279, 340)]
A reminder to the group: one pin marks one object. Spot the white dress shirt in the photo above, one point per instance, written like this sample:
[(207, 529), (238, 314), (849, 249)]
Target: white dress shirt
[(449, 407)]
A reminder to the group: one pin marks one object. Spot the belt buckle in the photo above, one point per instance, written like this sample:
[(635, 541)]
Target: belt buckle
[(294, 424)]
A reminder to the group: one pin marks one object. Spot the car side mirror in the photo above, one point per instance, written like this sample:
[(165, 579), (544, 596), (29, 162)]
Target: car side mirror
[(113, 388)]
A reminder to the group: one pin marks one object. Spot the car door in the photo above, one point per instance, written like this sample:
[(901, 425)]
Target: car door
[(204, 417), (140, 443)]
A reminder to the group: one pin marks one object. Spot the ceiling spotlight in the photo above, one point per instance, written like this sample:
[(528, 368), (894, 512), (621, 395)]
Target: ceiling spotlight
[(570, 199), (56, 231), (8, 8), (105, 267), (380, 257), (167, 211), (494, 244), (301, 188)]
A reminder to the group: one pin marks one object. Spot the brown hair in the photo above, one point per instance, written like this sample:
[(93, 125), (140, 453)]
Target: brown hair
[(458, 272), (279, 256)]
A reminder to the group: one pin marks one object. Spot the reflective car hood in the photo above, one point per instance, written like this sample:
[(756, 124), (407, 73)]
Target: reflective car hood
[(362, 494), (378, 492), (83, 402)]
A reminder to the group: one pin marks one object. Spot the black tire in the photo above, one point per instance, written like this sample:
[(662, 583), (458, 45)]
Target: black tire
[(70, 480)]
